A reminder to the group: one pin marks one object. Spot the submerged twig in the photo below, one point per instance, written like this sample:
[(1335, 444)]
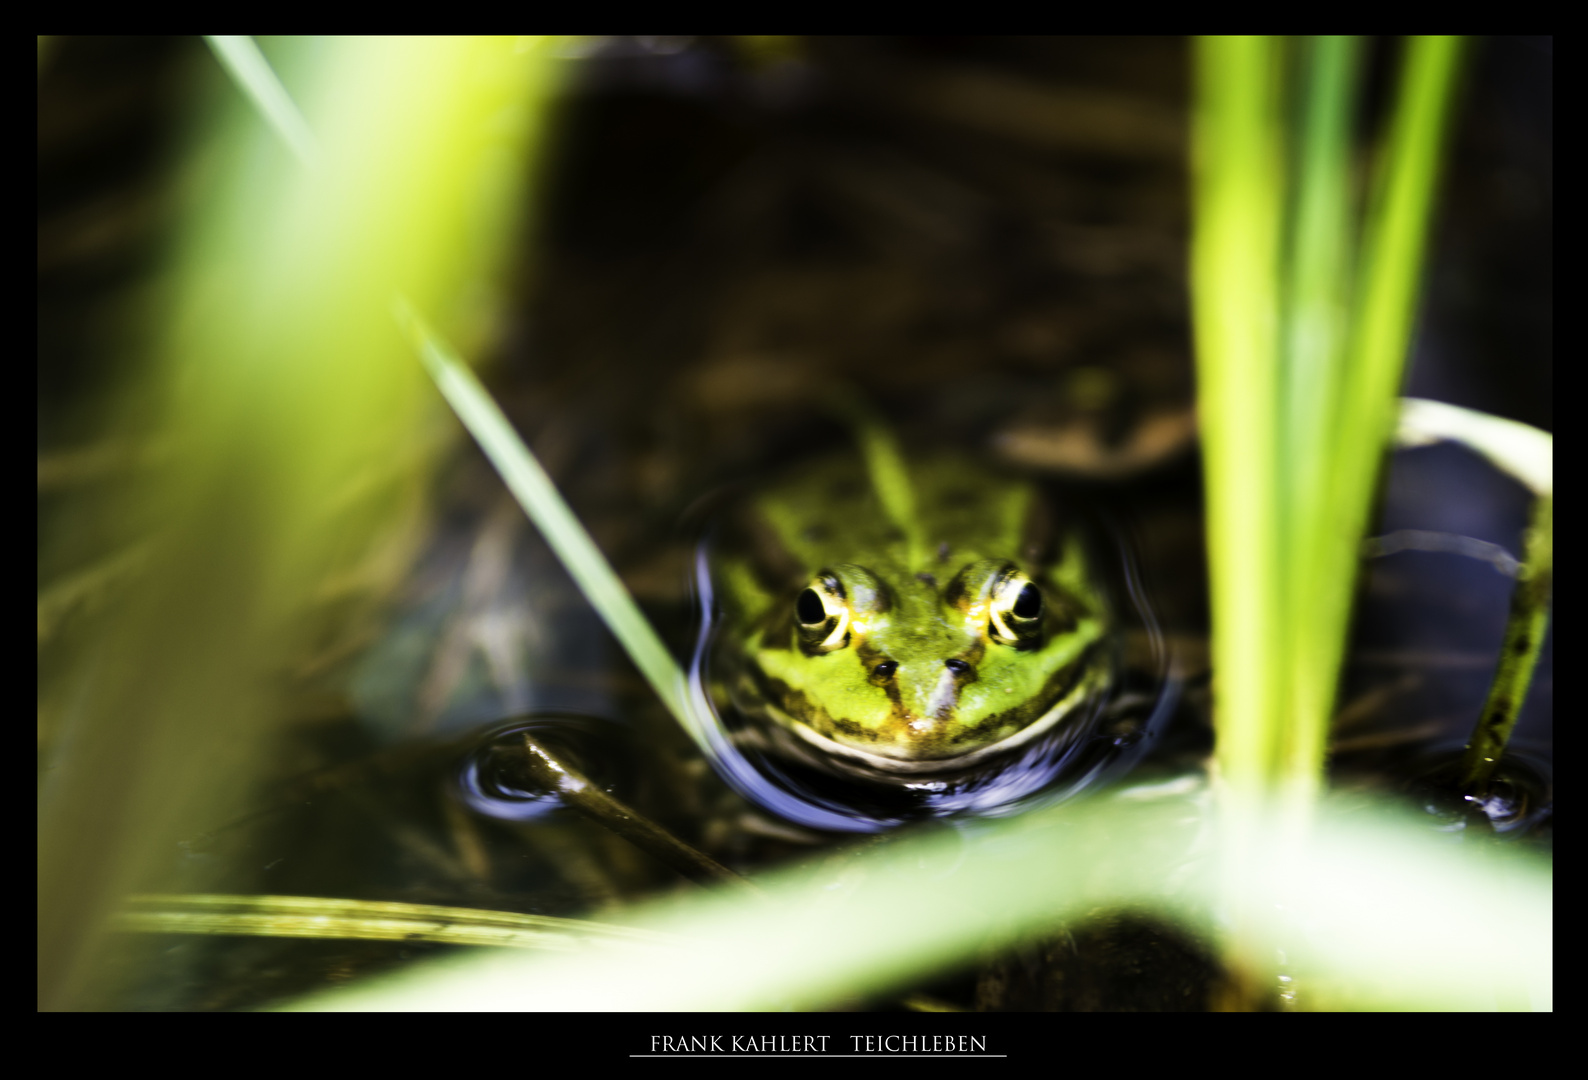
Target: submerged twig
[(1527, 454), (1524, 638), (588, 799)]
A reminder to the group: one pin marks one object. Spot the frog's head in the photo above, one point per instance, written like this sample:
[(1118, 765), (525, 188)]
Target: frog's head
[(911, 669)]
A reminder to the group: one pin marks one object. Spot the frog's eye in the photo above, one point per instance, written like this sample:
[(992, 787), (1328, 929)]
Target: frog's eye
[(1016, 610), (821, 612)]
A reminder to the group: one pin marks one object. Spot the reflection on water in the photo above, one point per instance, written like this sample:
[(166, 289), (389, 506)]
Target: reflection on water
[(1518, 800), (494, 781)]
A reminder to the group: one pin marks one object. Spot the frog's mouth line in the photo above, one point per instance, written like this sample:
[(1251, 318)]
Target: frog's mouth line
[(1083, 690)]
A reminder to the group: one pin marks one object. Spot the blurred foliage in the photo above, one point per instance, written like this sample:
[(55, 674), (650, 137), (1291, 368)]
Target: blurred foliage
[(290, 406)]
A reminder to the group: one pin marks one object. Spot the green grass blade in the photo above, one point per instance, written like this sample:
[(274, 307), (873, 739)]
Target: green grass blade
[(1296, 392), (279, 383), (1519, 449), (545, 506), (513, 459), (253, 74), (1384, 311), (368, 920), (1236, 298), (1316, 322), (1297, 399), (1235, 271), (1370, 907)]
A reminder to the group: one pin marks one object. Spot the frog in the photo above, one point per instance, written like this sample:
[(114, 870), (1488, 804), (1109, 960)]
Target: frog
[(908, 618)]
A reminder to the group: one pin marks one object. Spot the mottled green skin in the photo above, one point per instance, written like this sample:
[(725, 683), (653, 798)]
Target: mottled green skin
[(918, 593)]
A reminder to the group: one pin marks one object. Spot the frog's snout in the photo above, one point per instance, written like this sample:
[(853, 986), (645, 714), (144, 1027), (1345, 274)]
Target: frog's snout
[(928, 691)]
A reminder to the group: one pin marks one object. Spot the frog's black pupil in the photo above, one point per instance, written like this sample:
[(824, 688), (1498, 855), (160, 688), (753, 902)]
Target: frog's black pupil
[(885, 669), (810, 608), (1028, 605)]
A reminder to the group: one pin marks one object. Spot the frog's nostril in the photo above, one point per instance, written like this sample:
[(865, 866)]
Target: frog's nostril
[(885, 669), (958, 667)]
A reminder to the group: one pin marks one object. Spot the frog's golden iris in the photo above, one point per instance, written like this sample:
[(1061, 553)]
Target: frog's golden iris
[(916, 631)]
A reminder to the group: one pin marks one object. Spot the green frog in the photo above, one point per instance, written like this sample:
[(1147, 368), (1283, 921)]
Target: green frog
[(906, 622)]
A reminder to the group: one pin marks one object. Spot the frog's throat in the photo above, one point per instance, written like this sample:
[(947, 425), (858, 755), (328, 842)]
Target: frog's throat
[(1083, 690)]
